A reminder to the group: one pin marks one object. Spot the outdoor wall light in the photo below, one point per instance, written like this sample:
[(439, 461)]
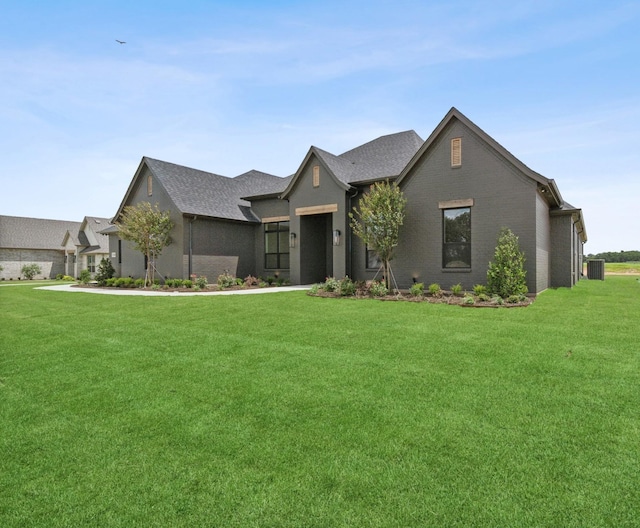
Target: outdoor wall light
[(336, 237), (292, 240)]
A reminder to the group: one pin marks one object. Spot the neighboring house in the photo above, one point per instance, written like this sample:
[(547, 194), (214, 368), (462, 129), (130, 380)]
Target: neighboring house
[(32, 241), (461, 187), (85, 247)]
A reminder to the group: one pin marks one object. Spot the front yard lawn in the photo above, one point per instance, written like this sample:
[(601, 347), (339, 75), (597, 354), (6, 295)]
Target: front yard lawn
[(289, 410)]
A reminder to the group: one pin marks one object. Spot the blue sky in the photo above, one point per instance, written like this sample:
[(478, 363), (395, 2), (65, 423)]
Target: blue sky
[(232, 86)]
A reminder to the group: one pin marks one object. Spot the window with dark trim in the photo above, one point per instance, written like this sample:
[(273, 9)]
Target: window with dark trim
[(276, 245), (456, 238), (91, 263), (373, 260)]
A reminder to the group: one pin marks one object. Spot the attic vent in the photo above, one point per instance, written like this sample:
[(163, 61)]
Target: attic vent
[(456, 152), (316, 175), (149, 185)]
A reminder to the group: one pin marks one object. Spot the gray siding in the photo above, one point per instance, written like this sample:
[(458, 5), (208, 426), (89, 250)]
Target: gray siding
[(271, 208), (169, 263), (561, 251), (543, 244), (218, 246), (50, 261), (502, 197), (314, 241)]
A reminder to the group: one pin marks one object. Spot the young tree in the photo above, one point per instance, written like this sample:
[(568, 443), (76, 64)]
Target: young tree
[(506, 275), (377, 221), (148, 229)]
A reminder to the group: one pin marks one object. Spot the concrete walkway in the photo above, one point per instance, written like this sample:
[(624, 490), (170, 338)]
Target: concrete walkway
[(161, 293)]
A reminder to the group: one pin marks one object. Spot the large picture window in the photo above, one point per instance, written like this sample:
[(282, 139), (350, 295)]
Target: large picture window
[(456, 238), (276, 245)]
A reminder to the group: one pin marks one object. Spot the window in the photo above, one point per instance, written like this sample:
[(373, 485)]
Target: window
[(119, 251), (91, 263), (316, 175), (276, 245), (456, 152), (373, 260), (149, 185), (456, 238)]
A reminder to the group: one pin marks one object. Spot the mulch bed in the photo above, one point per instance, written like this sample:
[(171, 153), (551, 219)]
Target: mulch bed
[(446, 298)]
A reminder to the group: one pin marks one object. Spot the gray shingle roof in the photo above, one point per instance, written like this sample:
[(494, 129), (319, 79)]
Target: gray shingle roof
[(18, 232), (207, 194), (381, 158)]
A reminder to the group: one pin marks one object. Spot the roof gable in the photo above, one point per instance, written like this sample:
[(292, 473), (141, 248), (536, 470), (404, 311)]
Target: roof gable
[(379, 159), (200, 193), (454, 114)]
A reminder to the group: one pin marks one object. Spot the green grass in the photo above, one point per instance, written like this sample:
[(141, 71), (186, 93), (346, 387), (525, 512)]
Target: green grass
[(288, 410), (622, 267)]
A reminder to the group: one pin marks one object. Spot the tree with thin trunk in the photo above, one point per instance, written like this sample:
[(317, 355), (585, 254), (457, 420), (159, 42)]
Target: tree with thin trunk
[(377, 220), (148, 229)]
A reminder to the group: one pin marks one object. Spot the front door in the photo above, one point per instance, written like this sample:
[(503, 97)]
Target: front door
[(316, 251)]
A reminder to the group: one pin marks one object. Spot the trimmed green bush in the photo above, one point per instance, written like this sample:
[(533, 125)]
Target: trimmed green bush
[(435, 290), (506, 275), (30, 271), (85, 276), (417, 289), (347, 287), (456, 289), (378, 289)]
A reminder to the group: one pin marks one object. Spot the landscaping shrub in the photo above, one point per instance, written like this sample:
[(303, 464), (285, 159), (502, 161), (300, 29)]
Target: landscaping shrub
[(417, 289), (468, 299), (187, 283), (139, 283), (456, 289), (435, 290), (225, 280), (347, 287), (85, 276), (331, 284), (30, 271), (378, 289), (105, 271), (125, 282), (111, 282), (201, 283), (250, 281), (479, 289), (506, 275), (59, 276)]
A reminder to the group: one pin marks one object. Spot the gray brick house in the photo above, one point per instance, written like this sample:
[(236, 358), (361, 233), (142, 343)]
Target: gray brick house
[(462, 187), (57, 246)]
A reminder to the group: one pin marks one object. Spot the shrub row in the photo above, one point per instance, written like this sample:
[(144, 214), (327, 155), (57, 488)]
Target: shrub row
[(349, 288)]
